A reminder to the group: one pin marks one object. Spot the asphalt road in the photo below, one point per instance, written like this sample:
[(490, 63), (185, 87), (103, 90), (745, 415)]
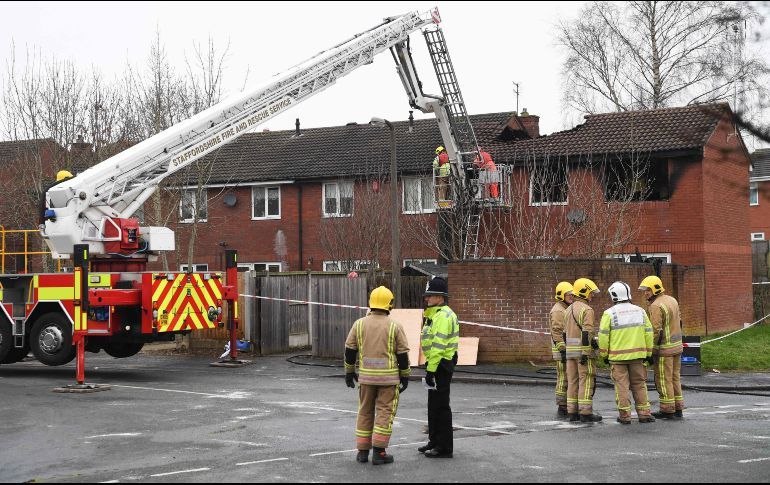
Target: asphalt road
[(176, 419)]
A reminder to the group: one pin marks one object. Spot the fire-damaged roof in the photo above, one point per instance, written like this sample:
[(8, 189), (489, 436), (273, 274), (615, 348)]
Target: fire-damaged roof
[(355, 150), (650, 131)]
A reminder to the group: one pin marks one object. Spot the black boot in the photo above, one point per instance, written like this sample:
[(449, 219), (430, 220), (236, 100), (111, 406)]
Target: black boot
[(662, 415), (646, 419), (574, 417), (562, 412), (623, 421), (678, 414), (362, 456), (427, 447), (590, 418), (379, 457)]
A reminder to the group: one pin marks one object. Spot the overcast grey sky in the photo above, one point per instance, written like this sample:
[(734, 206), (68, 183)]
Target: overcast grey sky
[(491, 45)]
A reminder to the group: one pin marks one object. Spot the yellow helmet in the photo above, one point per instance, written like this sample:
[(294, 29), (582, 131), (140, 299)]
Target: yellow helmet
[(562, 289), (584, 287), (381, 298), (652, 283), (439, 149), (63, 175)]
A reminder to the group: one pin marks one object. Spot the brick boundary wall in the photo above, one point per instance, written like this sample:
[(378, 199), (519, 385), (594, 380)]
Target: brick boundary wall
[(519, 294)]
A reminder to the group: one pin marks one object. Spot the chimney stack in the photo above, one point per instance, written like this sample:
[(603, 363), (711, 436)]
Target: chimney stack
[(531, 123)]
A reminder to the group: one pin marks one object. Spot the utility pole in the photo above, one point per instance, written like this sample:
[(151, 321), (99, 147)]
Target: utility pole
[(516, 92)]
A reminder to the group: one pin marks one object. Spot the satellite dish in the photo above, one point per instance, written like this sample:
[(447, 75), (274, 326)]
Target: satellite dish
[(577, 216), (230, 199)]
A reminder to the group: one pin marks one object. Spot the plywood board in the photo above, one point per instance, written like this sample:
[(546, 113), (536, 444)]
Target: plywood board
[(467, 351), (411, 320)]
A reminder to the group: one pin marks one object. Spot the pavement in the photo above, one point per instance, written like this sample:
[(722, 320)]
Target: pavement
[(544, 375)]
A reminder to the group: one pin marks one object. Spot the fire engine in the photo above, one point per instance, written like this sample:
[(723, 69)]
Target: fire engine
[(109, 301)]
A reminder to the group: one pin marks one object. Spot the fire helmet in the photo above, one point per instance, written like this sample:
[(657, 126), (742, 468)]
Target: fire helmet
[(381, 298), (619, 292), (653, 284), (584, 287), (562, 289)]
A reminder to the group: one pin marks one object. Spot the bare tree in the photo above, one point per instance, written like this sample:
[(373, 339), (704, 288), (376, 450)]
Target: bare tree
[(653, 54)]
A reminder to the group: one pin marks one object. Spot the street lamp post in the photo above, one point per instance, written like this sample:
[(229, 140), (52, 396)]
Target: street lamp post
[(395, 243)]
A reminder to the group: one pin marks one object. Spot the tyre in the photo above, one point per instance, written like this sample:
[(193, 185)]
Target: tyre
[(120, 350), (15, 355), (51, 339), (6, 341)]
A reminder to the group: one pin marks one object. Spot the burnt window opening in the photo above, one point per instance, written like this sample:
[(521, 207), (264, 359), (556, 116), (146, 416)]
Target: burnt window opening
[(548, 184), (633, 180)]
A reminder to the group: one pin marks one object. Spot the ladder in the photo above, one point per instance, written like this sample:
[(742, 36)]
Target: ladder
[(453, 98), (471, 248)]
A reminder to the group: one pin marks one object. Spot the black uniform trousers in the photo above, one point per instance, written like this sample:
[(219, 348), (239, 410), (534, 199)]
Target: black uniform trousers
[(439, 412)]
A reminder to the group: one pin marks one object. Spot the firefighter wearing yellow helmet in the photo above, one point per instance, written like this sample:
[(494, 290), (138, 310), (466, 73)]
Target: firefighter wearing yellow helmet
[(377, 345), (441, 175), (580, 331), (667, 347), (62, 175), (563, 297)]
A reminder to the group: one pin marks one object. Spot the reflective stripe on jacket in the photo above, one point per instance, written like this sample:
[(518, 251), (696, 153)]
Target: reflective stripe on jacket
[(378, 339), (664, 315), (578, 317), (557, 329), (440, 335), (625, 333)]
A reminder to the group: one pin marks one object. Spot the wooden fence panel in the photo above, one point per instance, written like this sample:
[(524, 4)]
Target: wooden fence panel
[(332, 324)]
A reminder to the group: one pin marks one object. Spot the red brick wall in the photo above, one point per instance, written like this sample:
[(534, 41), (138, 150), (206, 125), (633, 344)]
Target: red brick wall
[(519, 294), (726, 228)]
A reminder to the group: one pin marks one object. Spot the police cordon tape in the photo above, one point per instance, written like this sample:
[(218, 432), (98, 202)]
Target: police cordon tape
[(510, 329)]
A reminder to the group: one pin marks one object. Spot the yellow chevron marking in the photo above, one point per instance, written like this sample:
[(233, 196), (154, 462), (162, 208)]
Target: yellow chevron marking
[(161, 285)]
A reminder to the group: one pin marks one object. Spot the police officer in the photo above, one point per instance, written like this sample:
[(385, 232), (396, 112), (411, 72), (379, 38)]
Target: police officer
[(581, 365), (625, 342), (563, 297), (667, 347), (378, 345), (440, 340)]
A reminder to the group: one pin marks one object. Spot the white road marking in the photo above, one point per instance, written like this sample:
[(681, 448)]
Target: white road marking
[(247, 443), (754, 460), (230, 395), (111, 435), (389, 446), (260, 461), (181, 471)]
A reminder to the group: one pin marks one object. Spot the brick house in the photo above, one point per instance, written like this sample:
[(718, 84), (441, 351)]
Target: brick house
[(271, 195)]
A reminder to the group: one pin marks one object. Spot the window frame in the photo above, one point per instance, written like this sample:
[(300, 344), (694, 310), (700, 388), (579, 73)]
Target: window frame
[(195, 211), (243, 267), (753, 191), (196, 266), (338, 199), (265, 189), (421, 193), (761, 238), (546, 204)]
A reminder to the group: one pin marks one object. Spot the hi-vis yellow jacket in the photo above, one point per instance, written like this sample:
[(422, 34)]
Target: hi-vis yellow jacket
[(377, 339), (625, 333), (440, 335)]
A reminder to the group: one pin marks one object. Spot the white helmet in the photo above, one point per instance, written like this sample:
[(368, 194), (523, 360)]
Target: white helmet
[(619, 292)]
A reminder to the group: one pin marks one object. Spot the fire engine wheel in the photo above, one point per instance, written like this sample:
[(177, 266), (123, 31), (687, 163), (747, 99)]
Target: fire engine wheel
[(6, 341), (51, 339), (120, 350), (15, 355)]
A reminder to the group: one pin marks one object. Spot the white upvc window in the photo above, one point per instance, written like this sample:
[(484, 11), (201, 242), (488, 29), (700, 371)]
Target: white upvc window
[(417, 195), (346, 265), (260, 267), (419, 261), (197, 268), (753, 194), (548, 185), (193, 202), (666, 257), (265, 203), (757, 236), (338, 199)]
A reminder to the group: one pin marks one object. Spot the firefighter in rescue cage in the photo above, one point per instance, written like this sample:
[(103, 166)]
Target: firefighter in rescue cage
[(581, 346), (625, 343), (441, 170), (377, 345), (667, 347), (563, 299), (440, 341)]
